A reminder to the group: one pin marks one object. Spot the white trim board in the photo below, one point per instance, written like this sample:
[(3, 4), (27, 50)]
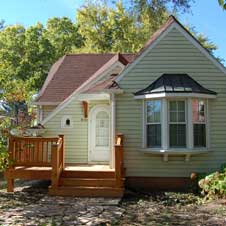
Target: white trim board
[(77, 92), (187, 35), (175, 95)]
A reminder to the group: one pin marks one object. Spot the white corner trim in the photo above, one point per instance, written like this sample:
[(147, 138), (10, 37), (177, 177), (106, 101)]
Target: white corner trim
[(174, 95), (76, 93), (145, 52)]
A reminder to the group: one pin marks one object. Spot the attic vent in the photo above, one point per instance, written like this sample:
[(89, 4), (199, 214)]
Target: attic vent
[(66, 122)]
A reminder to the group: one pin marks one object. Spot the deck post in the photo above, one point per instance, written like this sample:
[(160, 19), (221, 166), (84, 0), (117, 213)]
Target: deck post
[(119, 159), (55, 161), (63, 150)]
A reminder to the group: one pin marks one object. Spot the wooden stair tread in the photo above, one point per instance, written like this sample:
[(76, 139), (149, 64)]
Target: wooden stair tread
[(87, 174), (84, 191), (94, 182)]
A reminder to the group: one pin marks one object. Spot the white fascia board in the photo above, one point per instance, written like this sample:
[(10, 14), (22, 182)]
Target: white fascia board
[(190, 38), (77, 92), (175, 95), (145, 52)]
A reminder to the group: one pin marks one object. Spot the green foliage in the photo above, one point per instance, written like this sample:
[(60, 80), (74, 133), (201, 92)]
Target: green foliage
[(214, 184), (116, 29), (222, 3), (5, 124), (173, 5), (26, 55)]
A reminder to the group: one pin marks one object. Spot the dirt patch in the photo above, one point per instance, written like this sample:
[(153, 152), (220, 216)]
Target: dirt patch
[(171, 209)]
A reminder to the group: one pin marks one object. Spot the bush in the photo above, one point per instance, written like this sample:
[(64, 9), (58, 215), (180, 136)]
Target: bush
[(214, 184)]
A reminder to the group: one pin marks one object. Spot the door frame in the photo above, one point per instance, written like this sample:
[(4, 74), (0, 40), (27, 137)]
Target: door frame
[(90, 115)]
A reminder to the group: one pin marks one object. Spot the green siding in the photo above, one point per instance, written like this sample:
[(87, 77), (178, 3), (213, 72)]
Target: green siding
[(47, 109), (76, 138), (173, 54)]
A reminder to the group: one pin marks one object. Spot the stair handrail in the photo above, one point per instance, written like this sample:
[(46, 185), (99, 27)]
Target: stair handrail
[(57, 162)]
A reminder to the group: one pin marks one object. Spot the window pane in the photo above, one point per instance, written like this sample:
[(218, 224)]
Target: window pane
[(198, 111), (154, 135), (153, 111), (173, 106), (181, 116), (177, 135), (181, 106), (177, 111), (173, 116), (199, 135)]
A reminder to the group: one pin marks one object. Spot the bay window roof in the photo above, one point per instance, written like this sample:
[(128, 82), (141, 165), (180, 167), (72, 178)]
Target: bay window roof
[(173, 84)]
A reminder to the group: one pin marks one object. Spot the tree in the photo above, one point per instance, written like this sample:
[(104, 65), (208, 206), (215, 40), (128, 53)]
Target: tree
[(63, 35), (116, 29), (222, 3), (172, 5), (120, 29), (26, 54)]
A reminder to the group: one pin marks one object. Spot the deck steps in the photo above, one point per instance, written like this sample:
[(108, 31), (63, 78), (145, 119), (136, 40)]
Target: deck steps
[(88, 191), (94, 182), (87, 174), (89, 184)]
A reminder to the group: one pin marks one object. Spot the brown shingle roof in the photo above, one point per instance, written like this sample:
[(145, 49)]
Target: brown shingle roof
[(71, 71)]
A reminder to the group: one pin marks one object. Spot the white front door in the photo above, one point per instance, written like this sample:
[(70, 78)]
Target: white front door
[(99, 132)]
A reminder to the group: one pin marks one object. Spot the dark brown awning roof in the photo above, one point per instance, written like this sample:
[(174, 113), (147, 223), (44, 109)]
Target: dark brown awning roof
[(175, 83)]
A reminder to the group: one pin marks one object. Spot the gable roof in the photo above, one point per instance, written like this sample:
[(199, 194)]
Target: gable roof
[(71, 71), (171, 23), (174, 83)]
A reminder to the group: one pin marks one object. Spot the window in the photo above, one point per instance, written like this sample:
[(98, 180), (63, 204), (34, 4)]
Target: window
[(153, 123), (66, 122), (177, 124), (199, 122)]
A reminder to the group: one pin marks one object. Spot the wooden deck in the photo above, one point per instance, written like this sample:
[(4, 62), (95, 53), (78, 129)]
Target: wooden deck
[(43, 158)]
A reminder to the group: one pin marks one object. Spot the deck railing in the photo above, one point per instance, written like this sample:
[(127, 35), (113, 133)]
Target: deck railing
[(31, 151), (36, 152), (119, 166)]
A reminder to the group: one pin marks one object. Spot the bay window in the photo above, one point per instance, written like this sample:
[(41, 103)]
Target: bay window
[(175, 124)]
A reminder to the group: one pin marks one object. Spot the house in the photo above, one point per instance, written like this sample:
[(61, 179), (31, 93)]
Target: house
[(168, 101)]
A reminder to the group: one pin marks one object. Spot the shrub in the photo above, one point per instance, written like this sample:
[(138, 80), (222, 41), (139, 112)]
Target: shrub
[(214, 184)]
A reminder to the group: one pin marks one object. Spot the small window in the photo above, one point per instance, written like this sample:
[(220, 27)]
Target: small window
[(199, 122), (66, 122), (177, 124), (153, 123)]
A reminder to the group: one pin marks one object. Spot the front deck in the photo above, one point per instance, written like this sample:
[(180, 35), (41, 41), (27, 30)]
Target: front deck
[(43, 158)]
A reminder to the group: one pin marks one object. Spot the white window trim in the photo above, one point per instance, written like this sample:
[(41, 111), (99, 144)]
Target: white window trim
[(63, 122), (165, 149)]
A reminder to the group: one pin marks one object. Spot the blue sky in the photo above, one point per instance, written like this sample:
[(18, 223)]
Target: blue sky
[(207, 17)]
